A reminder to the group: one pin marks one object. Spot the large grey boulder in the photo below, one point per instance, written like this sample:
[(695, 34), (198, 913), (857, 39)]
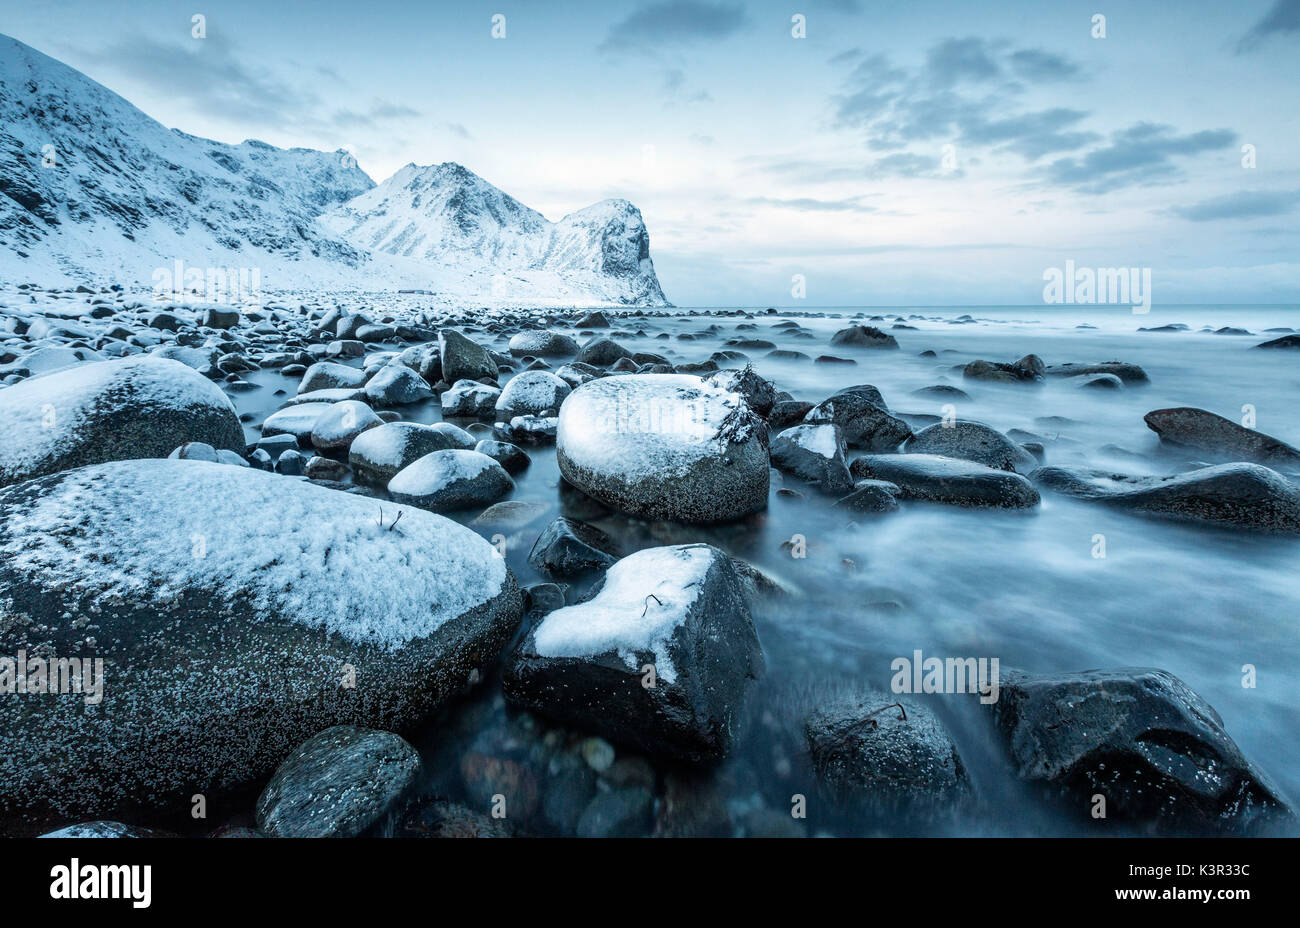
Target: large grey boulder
[(1140, 738), (664, 446), (939, 479), (863, 419), (1189, 427), (338, 784), (972, 441), (463, 359), (237, 613), (814, 453), (139, 407), (1248, 496), (659, 655)]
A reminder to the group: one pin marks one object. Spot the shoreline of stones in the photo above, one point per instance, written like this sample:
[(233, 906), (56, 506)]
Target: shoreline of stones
[(348, 777)]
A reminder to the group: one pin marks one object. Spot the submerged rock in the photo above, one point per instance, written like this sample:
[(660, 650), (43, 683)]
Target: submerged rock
[(338, 784), (1140, 738), (1232, 495), (864, 336), (873, 746), (659, 655), (664, 446), (1204, 431), (237, 613), (1129, 374), (939, 479), (141, 407), (569, 548), (1029, 369)]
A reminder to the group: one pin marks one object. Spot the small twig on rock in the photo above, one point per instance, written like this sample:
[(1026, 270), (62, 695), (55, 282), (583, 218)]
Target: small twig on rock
[(646, 607), (395, 521)]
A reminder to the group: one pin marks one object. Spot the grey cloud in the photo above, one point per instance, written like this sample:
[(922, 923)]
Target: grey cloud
[(675, 22), (1036, 65), (675, 89), (814, 205), (954, 60), (1283, 18), (1245, 204), (1140, 155)]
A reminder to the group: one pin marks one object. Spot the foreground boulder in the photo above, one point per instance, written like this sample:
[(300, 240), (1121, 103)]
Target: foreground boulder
[(338, 784), (664, 446), (1204, 431), (379, 453), (873, 746), (140, 407), (237, 613), (972, 441), (1232, 495), (659, 656), (939, 479), (445, 481), (1142, 739)]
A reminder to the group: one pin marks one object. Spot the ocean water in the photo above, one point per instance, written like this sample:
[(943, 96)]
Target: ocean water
[(1025, 588)]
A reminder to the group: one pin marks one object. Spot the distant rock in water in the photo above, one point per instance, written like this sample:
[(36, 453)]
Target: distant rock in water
[(1286, 341), (972, 441), (235, 610), (1205, 431), (1130, 374), (1028, 369), (1142, 739), (863, 336), (939, 479), (141, 407), (1247, 496)]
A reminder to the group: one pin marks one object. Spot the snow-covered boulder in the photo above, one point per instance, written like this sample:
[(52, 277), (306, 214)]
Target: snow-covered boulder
[(814, 453), (337, 427), (659, 656), (139, 407), (329, 375), (379, 453), (469, 399), (445, 481), (532, 393), (664, 446), (237, 613), (396, 385), (543, 343), (296, 420)]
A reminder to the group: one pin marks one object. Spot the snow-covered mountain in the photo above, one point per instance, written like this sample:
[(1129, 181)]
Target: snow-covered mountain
[(92, 189), (445, 216)]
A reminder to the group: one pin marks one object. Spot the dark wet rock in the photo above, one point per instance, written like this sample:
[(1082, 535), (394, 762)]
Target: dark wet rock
[(1248, 496), (452, 820), (1097, 382), (664, 446), (445, 481), (940, 479), (569, 548), (864, 336), (603, 352), (863, 419), (143, 407), (323, 468), (309, 607), (1142, 739), (679, 610), (814, 453), (1286, 341), (104, 829), (338, 784), (618, 813), (463, 359), (942, 391), (759, 393), (871, 496), (1189, 427), (1130, 374), (786, 413), (873, 746), (971, 441), (513, 458), (1029, 369), (592, 320), (215, 317)]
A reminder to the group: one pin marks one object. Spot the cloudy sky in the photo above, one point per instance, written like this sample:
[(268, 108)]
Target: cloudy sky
[(916, 153)]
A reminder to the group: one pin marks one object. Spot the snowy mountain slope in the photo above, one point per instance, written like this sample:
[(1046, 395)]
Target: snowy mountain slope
[(91, 186), (447, 216), (92, 189)]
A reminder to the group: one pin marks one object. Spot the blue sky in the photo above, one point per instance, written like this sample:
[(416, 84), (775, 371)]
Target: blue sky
[(902, 153)]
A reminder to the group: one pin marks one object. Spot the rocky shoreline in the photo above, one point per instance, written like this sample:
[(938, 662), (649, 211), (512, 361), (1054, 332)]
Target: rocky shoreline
[(306, 592)]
